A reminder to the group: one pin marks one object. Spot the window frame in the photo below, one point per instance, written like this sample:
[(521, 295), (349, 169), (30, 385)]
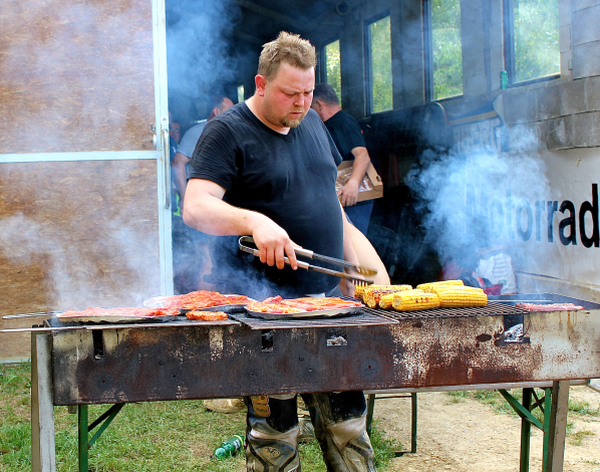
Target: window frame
[(323, 63), (428, 57), (368, 58), (510, 65)]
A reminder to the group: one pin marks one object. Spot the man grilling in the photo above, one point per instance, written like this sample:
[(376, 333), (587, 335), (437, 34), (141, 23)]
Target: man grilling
[(267, 168)]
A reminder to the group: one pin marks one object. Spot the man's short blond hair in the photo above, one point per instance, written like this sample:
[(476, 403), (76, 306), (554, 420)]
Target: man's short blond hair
[(288, 48)]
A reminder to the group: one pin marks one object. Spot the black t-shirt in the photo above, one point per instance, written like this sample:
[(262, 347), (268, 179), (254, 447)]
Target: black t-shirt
[(289, 178), (346, 133)]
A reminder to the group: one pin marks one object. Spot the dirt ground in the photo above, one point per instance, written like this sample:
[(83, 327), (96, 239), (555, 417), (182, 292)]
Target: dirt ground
[(469, 436)]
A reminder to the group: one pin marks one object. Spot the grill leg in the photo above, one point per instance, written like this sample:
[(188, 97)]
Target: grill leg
[(557, 429), (83, 449), (526, 431), (413, 420), (43, 451), (370, 411)]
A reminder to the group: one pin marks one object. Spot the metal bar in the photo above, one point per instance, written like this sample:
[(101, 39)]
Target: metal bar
[(413, 419), (547, 413), (104, 420), (370, 410), (558, 425), (413, 422), (83, 445), (92, 327), (524, 413), (43, 451), (31, 315), (525, 432)]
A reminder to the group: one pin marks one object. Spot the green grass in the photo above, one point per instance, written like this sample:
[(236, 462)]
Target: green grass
[(145, 437)]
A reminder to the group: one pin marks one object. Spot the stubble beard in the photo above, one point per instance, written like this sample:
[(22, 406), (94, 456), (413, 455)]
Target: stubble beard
[(285, 121)]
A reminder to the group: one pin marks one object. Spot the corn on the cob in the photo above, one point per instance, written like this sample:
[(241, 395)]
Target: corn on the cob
[(372, 294), (386, 300), (359, 290), (430, 285), (413, 300), (456, 296)]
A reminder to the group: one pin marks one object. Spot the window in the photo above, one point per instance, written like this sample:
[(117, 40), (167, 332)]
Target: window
[(240, 93), (333, 71), (445, 64), (379, 57), (531, 37)]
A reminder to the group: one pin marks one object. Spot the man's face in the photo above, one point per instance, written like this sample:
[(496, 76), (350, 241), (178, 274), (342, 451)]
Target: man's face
[(175, 132), (288, 96)]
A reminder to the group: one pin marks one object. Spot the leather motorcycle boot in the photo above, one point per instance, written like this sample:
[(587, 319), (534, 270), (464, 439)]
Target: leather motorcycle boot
[(340, 427), (272, 434)]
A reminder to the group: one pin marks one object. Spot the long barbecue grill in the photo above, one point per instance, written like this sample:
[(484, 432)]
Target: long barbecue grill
[(373, 350)]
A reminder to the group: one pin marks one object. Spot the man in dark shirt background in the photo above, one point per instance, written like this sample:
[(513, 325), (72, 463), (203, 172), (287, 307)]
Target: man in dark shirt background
[(349, 139)]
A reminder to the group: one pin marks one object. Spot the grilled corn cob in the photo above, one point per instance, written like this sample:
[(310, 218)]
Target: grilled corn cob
[(387, 299), (372, 295), (413, 300), (453, 296), (359, 290), (430, 285)]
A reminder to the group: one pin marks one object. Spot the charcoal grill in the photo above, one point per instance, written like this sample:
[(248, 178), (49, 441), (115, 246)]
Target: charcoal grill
[(374, 350)]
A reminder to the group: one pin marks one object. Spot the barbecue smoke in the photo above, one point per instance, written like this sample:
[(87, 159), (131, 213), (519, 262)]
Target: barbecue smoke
[(71, 275), (477, 203), (199, 61)]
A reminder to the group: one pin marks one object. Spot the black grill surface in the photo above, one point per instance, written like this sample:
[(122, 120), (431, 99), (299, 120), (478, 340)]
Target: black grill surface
[(362, 318), (491, 309)]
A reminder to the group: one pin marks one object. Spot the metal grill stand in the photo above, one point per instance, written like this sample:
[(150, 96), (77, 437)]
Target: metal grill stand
[(116, 364)]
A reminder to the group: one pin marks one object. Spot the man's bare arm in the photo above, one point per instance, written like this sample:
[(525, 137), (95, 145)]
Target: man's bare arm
[(347, 286), (349, 193), (205, 210)]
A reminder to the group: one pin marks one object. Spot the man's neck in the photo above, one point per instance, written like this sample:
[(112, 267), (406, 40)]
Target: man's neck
[(254, 105), (329, 111)]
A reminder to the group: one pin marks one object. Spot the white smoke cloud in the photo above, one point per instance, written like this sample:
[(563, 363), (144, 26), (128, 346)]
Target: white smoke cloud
[(199, 59), (473, 201)]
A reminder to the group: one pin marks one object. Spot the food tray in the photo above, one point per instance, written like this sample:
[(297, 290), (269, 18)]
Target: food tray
[(115, 319), (331, 313)]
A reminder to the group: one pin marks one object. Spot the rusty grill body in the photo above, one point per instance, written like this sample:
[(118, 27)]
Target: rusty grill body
[(373, 350)]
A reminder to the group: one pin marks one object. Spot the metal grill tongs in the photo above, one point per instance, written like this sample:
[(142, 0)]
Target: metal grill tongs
[(247, 244)]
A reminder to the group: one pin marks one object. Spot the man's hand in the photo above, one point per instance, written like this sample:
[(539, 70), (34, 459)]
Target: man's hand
[(274, 244), (348, 194), (347, 287)]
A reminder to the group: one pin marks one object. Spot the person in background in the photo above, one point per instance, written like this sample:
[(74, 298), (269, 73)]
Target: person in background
[(191, 254), (188, 143), (349, 139), (174, 138), (267, 168)]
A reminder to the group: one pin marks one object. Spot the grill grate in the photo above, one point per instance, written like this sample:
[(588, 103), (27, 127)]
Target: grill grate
[(491, 309), (362, 318)]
